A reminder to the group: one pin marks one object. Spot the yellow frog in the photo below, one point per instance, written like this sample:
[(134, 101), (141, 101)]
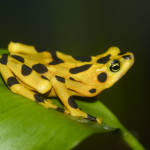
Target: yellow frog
[(39, 75)]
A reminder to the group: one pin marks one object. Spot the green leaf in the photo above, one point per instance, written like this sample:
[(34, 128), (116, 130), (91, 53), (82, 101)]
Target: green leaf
[(26, 125)]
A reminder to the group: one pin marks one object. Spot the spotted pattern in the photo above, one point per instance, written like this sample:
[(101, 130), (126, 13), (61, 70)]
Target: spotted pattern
[(104, 60), (19, 58), (44, 77), (40, 68), (4, 59), (38, 98), (56, 60), (92, 90), (102, 77), (82, 59), (12, 81), (71, 78), (60, 79), (25, 70), (80, 68), (72, 103)]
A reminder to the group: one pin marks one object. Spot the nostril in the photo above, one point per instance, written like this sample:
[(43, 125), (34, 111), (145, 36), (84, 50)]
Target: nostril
[(127, 56)]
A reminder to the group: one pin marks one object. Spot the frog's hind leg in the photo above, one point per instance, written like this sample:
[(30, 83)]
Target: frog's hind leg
[(14, 85), (28, 75), (14, 47), (62, 92), (21, 51)]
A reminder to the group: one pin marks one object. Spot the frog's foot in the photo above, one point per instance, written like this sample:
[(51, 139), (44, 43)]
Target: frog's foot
[(78, 113), (98, 120), (68, 101)]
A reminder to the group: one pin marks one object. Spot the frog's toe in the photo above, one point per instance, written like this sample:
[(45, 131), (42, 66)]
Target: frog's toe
[(99, 120), (92, 118)]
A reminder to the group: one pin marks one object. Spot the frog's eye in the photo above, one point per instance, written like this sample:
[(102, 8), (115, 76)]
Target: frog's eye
[(115, 66)]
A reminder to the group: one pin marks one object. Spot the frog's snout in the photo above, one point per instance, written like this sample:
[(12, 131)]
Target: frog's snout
[(129, 57)]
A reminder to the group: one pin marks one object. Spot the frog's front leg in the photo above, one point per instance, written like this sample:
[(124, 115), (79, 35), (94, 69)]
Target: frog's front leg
[(14, 85), (59, 85)]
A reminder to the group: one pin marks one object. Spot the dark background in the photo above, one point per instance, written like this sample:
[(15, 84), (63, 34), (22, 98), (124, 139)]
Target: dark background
[(85, 27)]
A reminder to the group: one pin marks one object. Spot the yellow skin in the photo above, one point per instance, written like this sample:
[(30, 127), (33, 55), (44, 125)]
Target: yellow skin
[(36, 75)]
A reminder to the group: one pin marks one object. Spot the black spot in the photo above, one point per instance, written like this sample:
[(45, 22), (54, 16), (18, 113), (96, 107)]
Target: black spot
[(72, 79), (40, 68), (44, 77), (60, 109), (102, 77), (127, 56), (80, 69), (56, 60), (72, 103), (38, 98), (92, 90), (39, 49), (26, 70), (91, 118), (61, 79), (104, 60), (53, 54), (19, 58), (11, 81), (82, 59), (4, 59)]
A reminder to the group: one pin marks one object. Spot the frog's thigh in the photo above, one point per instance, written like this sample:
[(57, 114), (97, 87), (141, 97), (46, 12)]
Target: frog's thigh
[(29, 76), (18, 88), (68, 100), (14, 47)]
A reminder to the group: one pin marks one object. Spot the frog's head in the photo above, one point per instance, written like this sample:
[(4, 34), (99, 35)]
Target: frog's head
[(112, 65)]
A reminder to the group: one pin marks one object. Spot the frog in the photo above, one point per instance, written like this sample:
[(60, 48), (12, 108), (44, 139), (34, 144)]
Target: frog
[(40, 75)]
